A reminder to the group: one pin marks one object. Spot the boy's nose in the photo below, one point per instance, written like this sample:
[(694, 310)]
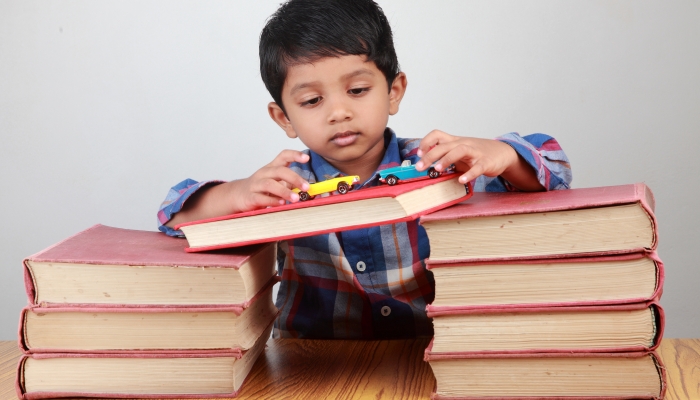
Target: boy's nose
[(339, 112)]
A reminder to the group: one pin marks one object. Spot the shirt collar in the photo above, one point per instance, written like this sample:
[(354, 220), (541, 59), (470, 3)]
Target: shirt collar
[(323, 170)]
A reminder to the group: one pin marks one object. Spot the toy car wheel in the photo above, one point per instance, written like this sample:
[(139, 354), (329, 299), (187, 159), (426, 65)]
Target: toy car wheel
[(392, 180), (303, 196), (433, 173), (343, 187)]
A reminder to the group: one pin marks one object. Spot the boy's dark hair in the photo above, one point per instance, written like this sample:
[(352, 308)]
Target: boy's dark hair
[(302, 31)]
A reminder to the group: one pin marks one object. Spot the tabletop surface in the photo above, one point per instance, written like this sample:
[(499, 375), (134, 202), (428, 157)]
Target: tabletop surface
[(386, 369)]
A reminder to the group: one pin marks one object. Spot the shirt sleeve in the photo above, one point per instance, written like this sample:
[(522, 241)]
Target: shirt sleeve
[(175, 199), (545, 156)]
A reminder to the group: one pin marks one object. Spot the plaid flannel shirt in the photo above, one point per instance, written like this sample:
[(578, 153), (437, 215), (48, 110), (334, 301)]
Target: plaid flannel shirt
[(369, 283)]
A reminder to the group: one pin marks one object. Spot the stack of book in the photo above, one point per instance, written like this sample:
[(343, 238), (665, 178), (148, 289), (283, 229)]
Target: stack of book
[(543, 295), (125, 313)]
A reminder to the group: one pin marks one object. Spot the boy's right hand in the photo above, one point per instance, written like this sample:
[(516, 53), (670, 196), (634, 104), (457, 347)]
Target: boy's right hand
[(271, 185)]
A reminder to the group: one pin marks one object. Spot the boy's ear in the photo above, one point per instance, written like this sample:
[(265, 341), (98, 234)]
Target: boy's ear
[(396, 92), (277, 115)]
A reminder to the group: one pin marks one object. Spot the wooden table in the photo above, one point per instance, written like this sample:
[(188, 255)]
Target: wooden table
[(389, 369)]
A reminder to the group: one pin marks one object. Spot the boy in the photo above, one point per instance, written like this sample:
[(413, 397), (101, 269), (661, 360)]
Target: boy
[(332, 71)]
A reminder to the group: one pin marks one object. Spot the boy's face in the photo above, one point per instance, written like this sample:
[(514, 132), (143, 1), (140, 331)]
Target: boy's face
[(339, 107)]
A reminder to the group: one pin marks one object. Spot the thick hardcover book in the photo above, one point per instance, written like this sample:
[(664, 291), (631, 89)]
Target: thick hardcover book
[(136, 374), (560, 223), (113, 267), (356, 209), (572, 329), (527, 376), (155, 329), (618, 279)]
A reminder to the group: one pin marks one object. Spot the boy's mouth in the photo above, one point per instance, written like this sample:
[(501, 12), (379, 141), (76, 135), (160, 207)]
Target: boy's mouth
[(344, 138)]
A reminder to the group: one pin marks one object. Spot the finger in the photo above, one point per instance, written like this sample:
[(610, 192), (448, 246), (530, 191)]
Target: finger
[(272, 187), (281, 174), (434, 154), (286, 177), (474, 172), (286, 157), (459, 154), (432, 139), (260, 200)]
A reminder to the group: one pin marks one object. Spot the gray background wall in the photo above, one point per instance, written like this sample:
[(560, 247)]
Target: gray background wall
[(105, 105)]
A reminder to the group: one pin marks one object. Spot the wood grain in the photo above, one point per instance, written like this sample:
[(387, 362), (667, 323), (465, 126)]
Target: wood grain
[(342, 369), (384, 370), (681, 357), (9, 355)]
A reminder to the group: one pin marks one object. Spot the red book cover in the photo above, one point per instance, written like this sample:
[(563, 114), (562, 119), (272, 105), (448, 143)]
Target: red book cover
[(430, 356), (104, 245), (656, 294), (485, 204), (242, 363), (341, 223), (658, 318)]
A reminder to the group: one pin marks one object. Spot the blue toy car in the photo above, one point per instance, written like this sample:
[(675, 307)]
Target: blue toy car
[(406, 171)]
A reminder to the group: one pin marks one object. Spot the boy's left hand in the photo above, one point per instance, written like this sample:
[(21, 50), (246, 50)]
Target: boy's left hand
[(474, 157)]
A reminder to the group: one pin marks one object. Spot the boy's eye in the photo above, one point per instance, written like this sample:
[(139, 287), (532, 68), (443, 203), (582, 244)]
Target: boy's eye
[(358, 90), (311, 102)]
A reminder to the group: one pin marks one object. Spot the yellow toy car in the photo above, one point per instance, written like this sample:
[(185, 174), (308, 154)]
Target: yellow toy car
[(342, 184)]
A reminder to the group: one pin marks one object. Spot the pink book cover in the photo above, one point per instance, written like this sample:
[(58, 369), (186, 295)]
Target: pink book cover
[(485, 204), (657, 310), (430, 356), (23, 395), (104, 245), (263, 295), (369, 193), (658, 291)]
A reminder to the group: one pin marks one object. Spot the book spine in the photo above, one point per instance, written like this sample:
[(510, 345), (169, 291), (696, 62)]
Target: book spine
[(21, 339), (29, 283), (646, 200), (647, 196)]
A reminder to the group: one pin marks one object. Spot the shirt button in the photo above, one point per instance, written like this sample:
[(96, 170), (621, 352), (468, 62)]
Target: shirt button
[(386, 310), (361, 266)]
